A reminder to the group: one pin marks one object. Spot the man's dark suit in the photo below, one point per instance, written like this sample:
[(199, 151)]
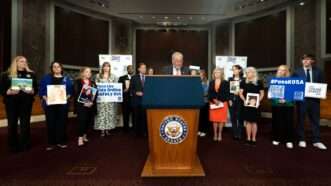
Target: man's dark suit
[(309, 106), (136, 85), (126, 105), (168, 70)]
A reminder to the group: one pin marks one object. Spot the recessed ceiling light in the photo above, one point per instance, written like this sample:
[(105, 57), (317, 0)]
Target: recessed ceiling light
[(153, 17), (166, 17), (302, 3)]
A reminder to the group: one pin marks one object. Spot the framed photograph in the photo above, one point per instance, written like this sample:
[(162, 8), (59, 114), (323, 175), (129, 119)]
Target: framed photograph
[(87, 94), (252, 100), (21, 84), (56, 95), (234, 87)]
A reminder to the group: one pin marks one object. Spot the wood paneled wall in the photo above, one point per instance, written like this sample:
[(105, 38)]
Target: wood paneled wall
[(263, 40), (79, 39), (154, 47)]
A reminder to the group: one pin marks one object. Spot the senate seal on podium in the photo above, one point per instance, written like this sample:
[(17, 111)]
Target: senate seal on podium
[(173, 129)]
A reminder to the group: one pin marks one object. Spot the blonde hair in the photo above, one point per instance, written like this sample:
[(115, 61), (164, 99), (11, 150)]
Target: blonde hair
[(255, 79), (82, 70), (101, 72), (287, 71), (218, 69), (12, 70)]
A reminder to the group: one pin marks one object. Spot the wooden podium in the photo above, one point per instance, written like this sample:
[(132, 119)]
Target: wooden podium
[(173, 116)]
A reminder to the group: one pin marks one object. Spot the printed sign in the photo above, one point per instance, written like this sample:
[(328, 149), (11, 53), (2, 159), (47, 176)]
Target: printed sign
[(109, 92), (56, 95), (290, 89), (316, 90), (21, 84)]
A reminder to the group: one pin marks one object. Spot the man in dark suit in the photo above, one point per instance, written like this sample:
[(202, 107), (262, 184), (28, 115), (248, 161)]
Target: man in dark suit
[(126, 105), (177, 67), (137, 92), (309, 106)]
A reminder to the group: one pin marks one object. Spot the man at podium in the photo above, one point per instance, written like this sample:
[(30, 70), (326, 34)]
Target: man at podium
[(177, 68)]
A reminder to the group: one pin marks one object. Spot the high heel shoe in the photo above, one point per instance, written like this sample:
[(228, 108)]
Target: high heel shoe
[(80, 141)]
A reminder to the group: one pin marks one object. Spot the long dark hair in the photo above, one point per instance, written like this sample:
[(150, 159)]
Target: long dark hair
[(241, 73)]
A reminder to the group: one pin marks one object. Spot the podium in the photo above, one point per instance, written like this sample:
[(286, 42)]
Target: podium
[(172, 104)]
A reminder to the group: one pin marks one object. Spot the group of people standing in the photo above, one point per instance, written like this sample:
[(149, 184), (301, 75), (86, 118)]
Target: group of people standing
[(219, 100)]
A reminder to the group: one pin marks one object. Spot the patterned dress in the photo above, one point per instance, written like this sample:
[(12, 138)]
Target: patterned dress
[(106, 117)]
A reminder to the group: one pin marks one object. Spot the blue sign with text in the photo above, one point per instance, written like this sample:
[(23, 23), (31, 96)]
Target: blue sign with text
[(290, 89)]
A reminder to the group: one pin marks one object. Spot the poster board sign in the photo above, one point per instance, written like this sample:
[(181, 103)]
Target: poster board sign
[(56, 95), (118, 63), (290, 89), (226, 62), (21, 84), (316, 90), (109, 92), (252, 100), (87, 94), (234, 87)]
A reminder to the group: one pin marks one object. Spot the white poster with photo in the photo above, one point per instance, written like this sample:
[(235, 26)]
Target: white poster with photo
[(316, 90), (56, 95), (252, 100), (118, 63), (226, 62), (109, 92)]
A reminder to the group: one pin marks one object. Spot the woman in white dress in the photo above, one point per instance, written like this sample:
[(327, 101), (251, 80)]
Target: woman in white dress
[(106, 117)]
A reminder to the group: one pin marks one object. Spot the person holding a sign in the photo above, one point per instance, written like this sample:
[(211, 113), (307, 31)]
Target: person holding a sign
[(106, 117), (55, 90), (235, 102), (137, 92), (84, 96), (310, 106), (218, 95), (18, 87), (251, 93), (177, 67), (282, 115)]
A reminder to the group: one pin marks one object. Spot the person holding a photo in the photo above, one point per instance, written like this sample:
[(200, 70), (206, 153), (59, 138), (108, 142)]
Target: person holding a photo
[(310, 106), (106, 117), (18, 103), (85, 103), (235, 102), (218, 96), (282, 115), (56, 114), (251, 93)]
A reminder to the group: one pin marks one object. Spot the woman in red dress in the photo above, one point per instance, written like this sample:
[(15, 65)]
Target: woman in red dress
[(218, 95)]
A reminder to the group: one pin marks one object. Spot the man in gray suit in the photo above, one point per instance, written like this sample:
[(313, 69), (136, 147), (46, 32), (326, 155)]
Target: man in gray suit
[(177, 67)]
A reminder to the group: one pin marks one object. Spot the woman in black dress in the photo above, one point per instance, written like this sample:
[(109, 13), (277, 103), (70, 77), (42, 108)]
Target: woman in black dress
[(251, 111)]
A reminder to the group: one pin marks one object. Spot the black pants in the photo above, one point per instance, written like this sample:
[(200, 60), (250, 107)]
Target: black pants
[(282, 123), (236, 118), (85, 118), (311, 107), (140, 121), (203, 119), (56, 118), (18, 108), (127, 111)]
